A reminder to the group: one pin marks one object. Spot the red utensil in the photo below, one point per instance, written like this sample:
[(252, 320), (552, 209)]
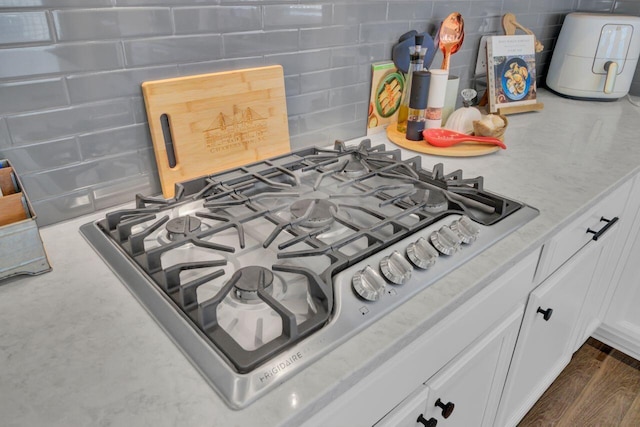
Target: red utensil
[(439, 137)]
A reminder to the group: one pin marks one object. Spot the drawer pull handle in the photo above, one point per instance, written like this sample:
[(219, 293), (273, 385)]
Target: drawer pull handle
[(546, 314), (608, 225), (447, 408), (431, 422)]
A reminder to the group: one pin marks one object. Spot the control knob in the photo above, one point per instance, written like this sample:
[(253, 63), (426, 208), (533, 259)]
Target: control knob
[(395, 268), (466, 229), (445, 241), (368, 284), (421, 253)]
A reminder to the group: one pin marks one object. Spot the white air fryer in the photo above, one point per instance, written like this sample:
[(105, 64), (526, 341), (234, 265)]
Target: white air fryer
[(595, 56)]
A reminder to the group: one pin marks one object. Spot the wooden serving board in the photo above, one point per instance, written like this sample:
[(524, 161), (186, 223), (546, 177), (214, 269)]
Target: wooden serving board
[(211, 122), (460, 150)]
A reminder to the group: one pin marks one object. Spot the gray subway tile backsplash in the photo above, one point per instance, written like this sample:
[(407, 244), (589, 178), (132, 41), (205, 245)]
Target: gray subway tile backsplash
[(25, 62), (24, 27), (172, 50), (72, 116), (56, 182), (5, 140), (190, 20), (114, 23), (374, 33), (360, 12), (301, 62), (43, 156), (324, 119), (314, 38), (280, 16), (602, 6), (114, 141), (114, 84), (260, 43), (410, 11), (30, 95), (53, 124), (63, 207), (307, 103), (360, 54), (14, 4), (117, 192), (326, 80), (627, 7), (343, 95)]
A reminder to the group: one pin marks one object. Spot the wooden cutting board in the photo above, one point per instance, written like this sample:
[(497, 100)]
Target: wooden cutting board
[(211, 122)]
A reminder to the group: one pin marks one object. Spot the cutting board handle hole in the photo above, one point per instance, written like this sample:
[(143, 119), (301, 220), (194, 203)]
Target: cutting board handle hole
[(168, 140)]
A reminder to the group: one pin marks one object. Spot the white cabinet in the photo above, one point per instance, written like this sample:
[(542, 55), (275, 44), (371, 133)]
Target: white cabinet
[(466, 391), (565, 309), (621, 327)]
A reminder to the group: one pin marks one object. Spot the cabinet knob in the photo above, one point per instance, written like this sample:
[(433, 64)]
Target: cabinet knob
[(447, 408), (546, 314), (431, 422)]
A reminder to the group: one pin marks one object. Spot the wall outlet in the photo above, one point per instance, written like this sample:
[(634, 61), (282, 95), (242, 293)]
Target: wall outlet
[(481, 61)]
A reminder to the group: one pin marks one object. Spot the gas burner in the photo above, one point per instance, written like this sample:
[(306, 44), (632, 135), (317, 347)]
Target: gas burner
[(354, 168), (319, 215), (251, 280), (435, 201), (181, 226)]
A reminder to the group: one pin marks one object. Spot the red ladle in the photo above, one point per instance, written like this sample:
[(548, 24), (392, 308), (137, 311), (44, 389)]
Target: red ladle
[(439, 137)]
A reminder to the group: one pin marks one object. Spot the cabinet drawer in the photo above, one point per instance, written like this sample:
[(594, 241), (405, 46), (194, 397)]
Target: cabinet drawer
[(590, 225)]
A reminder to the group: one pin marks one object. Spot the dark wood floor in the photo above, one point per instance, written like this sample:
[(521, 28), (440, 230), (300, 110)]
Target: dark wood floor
[(599, 388)]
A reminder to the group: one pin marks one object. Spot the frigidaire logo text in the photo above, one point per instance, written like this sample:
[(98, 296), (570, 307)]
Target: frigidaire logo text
[(280, 367)]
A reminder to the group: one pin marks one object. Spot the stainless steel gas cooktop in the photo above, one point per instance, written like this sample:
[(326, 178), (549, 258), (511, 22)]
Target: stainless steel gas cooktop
[(258, 271)]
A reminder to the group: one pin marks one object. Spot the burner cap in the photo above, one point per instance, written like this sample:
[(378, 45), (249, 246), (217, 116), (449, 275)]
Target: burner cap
[(354, 168), (320, 215), (181, 226), (435, 201), (252, 278)]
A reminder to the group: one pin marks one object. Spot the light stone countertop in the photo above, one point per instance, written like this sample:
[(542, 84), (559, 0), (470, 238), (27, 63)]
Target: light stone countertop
[(77, 349)]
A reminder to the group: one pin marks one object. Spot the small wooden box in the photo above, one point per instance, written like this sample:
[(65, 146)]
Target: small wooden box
[(21, 249)]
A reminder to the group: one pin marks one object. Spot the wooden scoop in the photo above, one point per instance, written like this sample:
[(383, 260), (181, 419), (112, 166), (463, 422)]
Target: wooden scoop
[(509, 24), (450, 37), (446, 138)]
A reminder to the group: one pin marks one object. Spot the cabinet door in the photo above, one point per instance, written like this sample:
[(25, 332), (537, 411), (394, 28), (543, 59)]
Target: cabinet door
[(409, 412), (621, 328), (545, 342), (591, 314), (466, 392), (470, 384)]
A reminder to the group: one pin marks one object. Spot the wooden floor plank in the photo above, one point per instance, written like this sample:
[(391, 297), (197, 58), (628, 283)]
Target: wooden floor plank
[(600, 387), (565, 390), (607, 397), (632, 417)]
